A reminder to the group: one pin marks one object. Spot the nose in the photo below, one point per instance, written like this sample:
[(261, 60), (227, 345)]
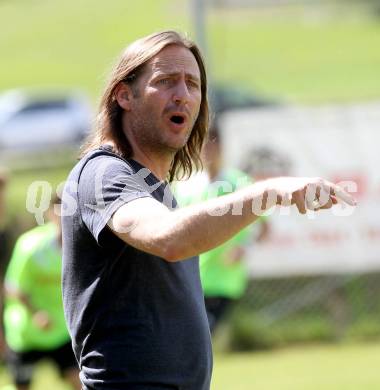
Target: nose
[(181, 93)]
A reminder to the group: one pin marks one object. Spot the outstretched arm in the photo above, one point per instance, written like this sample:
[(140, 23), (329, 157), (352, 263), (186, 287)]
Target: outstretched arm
[(148, 225)]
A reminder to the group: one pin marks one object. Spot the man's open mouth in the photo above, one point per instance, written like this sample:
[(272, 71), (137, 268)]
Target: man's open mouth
[(177, 119)]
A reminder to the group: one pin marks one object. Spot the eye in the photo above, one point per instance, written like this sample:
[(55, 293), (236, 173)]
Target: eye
[(165, 81), (193, 84)]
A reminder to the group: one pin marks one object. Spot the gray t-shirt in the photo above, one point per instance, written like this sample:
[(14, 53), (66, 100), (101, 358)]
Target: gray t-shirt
[(136, 320)]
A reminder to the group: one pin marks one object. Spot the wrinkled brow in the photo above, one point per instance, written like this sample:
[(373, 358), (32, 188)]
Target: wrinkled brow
[(190, 76)]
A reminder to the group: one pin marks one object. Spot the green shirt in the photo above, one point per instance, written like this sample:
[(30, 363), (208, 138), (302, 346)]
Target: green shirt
[(220, 276), (35, 271)]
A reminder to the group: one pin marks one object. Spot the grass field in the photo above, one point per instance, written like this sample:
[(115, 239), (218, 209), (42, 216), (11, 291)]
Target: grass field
[(346, 367), (305, 55), (74, 43), (18, 189)]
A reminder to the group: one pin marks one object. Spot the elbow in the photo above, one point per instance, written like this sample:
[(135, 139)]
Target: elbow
[(172, 256), (172, 253)]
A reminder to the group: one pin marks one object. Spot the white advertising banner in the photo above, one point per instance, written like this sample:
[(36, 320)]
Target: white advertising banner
[(339, 143)]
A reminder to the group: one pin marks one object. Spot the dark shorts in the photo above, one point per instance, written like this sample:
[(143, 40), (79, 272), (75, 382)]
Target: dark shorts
[(21, 364)]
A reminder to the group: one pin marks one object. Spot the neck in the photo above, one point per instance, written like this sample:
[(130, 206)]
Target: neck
[(147, 150), (159, 165)]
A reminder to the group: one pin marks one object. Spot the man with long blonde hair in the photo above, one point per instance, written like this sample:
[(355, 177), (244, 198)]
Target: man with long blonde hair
[(132, 294)]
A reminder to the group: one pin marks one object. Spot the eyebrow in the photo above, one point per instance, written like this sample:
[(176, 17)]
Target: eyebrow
[(174, 74)]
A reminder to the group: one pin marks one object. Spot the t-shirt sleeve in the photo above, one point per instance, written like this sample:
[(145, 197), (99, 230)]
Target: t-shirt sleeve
[(105, 184)]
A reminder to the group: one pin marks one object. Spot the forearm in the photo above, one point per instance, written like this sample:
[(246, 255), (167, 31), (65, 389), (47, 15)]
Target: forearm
[(189, 231), (14, 293), (199, 228), (148, 225), (40, 317)]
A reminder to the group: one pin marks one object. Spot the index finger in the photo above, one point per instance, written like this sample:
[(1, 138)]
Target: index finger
[(340, 193)]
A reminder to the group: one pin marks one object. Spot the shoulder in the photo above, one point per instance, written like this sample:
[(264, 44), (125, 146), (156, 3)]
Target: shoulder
[(98, 166), (104, 160), (33, 239)]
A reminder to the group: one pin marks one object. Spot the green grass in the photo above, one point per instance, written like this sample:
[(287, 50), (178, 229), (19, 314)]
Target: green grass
[(342, 367), (46, 377), (74, 43), (18, 189), (314, 56), (333, 60)]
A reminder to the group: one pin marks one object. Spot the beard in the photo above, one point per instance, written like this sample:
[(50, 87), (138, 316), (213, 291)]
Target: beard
[(158, 141)]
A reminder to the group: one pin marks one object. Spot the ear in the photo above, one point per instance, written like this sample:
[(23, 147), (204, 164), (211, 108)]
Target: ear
[(123, 95)]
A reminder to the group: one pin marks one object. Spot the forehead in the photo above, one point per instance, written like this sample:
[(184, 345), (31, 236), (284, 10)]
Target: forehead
[(174, 59)]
